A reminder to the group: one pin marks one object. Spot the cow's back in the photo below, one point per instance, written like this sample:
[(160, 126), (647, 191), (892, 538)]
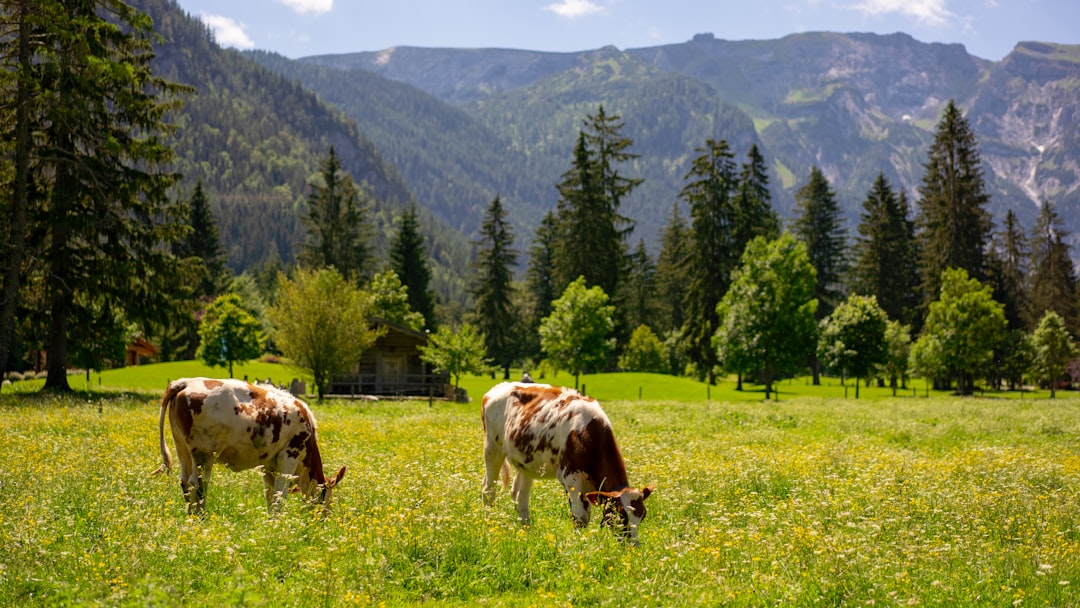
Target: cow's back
[(245, 425)]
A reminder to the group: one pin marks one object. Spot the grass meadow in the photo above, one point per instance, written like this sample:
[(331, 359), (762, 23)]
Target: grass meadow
[(815, 500)]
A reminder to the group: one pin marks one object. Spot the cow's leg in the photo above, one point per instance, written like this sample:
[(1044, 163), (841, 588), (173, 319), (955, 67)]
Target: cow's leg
[(493, 462), (576, 485), (522, 488), (286, 473), (198, 479), (269, 480)]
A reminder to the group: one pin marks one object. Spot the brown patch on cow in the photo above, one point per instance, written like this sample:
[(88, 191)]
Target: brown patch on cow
[(313, 460), (212, 384), (594, 452), (532, 400)]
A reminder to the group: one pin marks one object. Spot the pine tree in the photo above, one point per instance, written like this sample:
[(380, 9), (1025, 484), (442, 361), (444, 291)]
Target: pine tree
[(1008, 270), (671, 272), (338, 233), (540, 280), (1053, 278), (203, 242), (712, 256), (640, 289), (105, 217), (20, 18), (754, 214), (953, 224), (885, 253), (592, 232), (493, 289), (820, 227), (408, 258)]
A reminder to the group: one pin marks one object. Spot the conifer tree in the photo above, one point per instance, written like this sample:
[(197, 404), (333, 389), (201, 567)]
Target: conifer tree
[(712, 255), (1008, 262), (671, 272), (338, 233), (754, 214), (640, 289), (1053, 278), (820, 227), (885, 253), (104, 214), (408, 258), (540, 279), (203, 242), (953, 224), (492, 289)]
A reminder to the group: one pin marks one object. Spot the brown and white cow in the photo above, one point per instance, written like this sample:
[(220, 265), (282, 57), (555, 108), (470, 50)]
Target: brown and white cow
[(544, 432), (242, 426)]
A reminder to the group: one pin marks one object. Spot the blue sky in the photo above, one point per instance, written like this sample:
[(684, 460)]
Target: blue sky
[(295, 28)]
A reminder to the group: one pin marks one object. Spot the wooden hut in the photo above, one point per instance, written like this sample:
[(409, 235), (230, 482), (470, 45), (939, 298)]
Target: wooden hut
[(392, 367)]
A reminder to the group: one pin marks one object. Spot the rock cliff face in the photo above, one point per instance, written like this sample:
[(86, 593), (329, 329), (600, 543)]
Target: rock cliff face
[(852, 104)]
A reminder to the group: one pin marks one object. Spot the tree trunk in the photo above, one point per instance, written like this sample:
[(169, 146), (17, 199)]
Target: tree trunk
[(9, 298)]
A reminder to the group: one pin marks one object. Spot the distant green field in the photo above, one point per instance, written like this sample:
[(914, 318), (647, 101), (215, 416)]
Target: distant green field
[(629, 386), (812, 501)]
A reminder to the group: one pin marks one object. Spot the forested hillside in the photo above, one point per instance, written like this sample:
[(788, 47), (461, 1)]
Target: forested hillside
[(852, 104), (254, 138)]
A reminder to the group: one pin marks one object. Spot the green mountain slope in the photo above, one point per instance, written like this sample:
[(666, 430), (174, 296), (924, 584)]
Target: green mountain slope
[(852, 104), (254, 138)]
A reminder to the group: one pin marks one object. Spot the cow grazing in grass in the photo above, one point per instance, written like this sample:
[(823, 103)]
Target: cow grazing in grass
[(544, 432), (242, 426)]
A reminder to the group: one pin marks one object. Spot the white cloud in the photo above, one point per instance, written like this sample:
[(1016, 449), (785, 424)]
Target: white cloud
[(228, 32), (574, 8), (309, 6), (931, 12)]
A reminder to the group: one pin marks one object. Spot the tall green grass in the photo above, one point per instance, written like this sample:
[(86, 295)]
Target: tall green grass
[(810, 501)]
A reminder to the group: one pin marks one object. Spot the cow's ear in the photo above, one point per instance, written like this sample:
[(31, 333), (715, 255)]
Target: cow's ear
[(646, 491), (337, 478)]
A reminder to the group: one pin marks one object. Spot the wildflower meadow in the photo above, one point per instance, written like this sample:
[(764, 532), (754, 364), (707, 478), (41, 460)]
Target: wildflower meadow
[(810, 501)]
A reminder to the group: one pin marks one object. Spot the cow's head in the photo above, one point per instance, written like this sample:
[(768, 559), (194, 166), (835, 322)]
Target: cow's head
[(319, 492), (623, 509)]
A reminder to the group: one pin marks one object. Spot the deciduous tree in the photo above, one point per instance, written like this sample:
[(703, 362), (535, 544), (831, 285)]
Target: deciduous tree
[(852, 338), (229, 334), (1054, 348), (576, 335), (322, 323), (767, 318), (457, 351)]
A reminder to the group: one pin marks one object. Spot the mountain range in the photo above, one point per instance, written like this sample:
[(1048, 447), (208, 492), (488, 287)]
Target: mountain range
[(852, 104), (453, 128)]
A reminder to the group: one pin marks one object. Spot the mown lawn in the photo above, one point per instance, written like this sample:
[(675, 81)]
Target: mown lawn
[(810, 501)]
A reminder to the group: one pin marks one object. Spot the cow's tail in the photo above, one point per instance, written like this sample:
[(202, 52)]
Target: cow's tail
[(166, 400)]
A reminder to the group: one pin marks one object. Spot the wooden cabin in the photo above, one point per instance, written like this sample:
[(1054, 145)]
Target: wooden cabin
[(392, 367), (139, 351)]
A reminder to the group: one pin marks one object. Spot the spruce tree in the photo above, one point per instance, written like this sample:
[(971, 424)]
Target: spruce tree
[(1053, 278), (820, 227), (671, 272), (540, 279), (408, 258), (493, 288), (640, 301), (592, 232), (203, 242), (1008, 270), (754, 214), (105, 218), (953, 224), (712, 251), (338, 233), (885, 253)]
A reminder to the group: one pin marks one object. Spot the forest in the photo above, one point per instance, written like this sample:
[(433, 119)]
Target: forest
[(111, 232)]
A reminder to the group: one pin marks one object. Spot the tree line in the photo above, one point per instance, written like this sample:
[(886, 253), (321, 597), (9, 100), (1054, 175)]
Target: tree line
[(100, 247)]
